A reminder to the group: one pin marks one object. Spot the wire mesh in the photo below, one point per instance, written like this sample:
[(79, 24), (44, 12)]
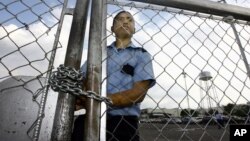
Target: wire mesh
[(196, 58), (198, 67), (27, 34), (242, 3)]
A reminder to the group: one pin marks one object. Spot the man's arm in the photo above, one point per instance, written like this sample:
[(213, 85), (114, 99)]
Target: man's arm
[(131, 96)]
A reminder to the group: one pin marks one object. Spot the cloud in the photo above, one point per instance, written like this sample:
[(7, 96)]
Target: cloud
[(182, 43), (24, 46), (27, 50)]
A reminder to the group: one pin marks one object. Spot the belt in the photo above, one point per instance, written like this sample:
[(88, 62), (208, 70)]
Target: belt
[(122, 117)]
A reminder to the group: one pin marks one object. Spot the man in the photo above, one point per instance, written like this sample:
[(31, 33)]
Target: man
[(129, 76), (219, 119)]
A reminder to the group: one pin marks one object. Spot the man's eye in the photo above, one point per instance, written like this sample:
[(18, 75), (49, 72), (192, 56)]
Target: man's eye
[(118, 19)]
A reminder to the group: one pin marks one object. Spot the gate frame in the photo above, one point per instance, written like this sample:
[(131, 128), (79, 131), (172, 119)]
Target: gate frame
[(96, 42)]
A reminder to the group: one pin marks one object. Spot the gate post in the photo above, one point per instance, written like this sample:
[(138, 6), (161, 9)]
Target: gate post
[(94, 71), (63, 120)]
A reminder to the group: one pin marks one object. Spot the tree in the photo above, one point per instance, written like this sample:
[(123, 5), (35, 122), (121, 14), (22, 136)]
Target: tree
[(241, 111), (211, 111), (228, 108), (184, 113), (194, 113)]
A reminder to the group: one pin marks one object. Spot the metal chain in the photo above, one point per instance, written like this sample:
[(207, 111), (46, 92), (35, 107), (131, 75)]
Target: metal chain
[(68, 80)]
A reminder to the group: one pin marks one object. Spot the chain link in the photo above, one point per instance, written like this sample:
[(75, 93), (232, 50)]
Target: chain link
[(68, 80)]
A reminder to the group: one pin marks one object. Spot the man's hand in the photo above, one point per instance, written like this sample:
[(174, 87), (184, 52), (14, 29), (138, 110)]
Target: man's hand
[(80, 103)]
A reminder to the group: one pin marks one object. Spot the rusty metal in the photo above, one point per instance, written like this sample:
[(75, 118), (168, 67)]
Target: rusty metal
[(93, 108), (63, 120)]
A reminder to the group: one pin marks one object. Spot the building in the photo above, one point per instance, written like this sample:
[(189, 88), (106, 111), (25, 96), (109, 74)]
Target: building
[(160, 113)]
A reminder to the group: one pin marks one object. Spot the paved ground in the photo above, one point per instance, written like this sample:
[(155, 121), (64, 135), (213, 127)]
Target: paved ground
[(182, 132)]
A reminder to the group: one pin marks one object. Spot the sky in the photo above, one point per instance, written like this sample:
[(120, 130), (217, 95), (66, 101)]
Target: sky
[(191, 44), (178, 43)]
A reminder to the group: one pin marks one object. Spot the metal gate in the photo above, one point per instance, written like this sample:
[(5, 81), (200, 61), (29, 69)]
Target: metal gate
[(200, 53)]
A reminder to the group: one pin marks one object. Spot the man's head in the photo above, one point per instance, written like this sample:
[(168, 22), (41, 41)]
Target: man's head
[(123, 25)]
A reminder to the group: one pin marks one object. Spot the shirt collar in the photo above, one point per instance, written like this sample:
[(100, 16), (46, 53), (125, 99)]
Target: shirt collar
[(131, 45)]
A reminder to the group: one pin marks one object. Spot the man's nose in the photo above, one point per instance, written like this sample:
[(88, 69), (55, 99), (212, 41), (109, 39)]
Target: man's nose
[(125, 21), (125, 24)]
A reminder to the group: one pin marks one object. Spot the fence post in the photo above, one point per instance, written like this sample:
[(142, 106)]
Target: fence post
[(92, 121), (63, 120)]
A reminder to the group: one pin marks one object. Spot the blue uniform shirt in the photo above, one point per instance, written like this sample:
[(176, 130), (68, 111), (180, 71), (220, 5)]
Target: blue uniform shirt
[(124, 68)]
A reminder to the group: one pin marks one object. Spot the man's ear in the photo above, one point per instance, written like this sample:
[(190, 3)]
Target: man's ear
[(112, 28), (134, 31)]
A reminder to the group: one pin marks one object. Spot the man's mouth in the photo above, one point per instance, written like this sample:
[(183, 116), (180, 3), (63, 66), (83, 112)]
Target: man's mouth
[(126, 27)]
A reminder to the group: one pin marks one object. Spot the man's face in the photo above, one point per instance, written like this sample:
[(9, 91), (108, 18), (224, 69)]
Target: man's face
[(124, 25)]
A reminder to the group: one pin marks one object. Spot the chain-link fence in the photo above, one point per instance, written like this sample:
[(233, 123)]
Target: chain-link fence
[(29, 37), (199, 70), (197, 60)]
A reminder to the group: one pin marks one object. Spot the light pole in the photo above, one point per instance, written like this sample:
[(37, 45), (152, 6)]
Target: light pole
[(187, 95)]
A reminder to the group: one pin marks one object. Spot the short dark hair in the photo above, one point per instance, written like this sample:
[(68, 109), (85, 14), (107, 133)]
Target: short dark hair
[(119, 14)]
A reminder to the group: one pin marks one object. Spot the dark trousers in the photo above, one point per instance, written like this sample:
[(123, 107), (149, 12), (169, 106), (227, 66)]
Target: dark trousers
[(220, 123), (78, 130), (122, 128), (119, 128)]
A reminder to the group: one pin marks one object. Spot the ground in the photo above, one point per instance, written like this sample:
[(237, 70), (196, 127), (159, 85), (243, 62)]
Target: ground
[(182, 132)]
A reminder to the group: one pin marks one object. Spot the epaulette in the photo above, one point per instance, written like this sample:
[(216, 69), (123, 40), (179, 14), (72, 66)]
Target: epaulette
[(141, 49)]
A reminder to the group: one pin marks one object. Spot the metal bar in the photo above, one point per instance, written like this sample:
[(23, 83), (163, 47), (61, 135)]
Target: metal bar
[(50, 67), (187, 94), (230, 21), (104, 72), (172, 10), (63, 120), (241, 49), (93, 108), (205, 6)]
